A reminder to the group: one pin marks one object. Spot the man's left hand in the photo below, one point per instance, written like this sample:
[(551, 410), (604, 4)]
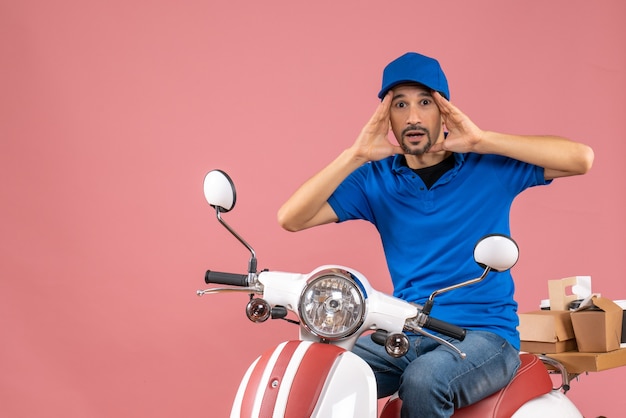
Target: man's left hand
[(463, 135)]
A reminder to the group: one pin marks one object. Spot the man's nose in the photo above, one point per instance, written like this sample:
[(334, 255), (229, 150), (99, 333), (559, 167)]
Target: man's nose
[(415, 116)]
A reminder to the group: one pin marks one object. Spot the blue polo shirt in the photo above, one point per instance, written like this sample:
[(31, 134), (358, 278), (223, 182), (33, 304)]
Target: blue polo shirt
[(429, 235)]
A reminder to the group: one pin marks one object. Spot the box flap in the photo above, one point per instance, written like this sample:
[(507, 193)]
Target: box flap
[(604, 304), (557, 292), (564, 291), (607, 305)]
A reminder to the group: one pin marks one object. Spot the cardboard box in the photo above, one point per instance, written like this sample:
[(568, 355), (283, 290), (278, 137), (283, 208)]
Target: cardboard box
[(622, 304), (539, 347), (546, 332), (576, 362), (560, 293), (597, 325)]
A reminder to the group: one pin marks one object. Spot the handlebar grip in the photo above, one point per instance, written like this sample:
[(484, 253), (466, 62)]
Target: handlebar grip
[(445, 328), (231, 279), (379, 336)]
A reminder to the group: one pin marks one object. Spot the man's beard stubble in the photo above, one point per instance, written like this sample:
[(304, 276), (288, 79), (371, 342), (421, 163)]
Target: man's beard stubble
[(419, 151)]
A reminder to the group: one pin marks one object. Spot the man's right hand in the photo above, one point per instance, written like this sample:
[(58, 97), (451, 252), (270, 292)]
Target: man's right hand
[(308, 206), (373, 143)]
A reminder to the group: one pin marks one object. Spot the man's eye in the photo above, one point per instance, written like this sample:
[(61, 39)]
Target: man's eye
[(400, 104), (425, 102)]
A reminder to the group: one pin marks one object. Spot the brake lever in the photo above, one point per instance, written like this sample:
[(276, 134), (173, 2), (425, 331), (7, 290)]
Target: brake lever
[(420, 330), (227, 290)]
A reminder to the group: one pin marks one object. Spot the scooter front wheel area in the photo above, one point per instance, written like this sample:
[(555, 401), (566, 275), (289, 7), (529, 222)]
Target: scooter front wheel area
[(301, 378)]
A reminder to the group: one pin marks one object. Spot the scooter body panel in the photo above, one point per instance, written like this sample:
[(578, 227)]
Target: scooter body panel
[(300, 378), (554, 404)]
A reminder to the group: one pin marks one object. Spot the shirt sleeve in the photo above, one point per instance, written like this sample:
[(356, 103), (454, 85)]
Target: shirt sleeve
[(349, 200), (514, 174)]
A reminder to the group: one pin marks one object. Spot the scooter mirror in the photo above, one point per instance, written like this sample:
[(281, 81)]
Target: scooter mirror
[(496, 251), (219, 190)]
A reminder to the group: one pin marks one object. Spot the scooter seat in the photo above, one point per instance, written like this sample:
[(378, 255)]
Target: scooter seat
[(530, 381)]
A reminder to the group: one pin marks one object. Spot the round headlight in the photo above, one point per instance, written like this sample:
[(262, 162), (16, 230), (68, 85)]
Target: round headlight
[(332, 305)]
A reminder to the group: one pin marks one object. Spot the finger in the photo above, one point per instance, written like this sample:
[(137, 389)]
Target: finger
[(436, 147), (442, 103), (452, 109), (382, 111), (385, 105), (433, 149), (388, 96), (397, 149)]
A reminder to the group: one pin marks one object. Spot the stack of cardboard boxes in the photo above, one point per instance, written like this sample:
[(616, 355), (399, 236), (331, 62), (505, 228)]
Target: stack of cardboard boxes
[(583, 339)]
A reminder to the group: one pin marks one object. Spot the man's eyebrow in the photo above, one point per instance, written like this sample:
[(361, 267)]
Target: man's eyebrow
[(421, 94)]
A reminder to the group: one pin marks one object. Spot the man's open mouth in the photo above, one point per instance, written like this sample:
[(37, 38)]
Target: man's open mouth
[(414, 137), (414, 134)]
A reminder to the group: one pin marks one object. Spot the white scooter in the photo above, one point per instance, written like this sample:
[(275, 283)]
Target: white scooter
[(318, 376)]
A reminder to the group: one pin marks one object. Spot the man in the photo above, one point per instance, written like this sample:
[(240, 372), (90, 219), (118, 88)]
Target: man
[(432, 197)]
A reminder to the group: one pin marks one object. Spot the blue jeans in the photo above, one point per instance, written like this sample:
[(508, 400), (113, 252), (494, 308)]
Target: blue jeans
[(432, 380)]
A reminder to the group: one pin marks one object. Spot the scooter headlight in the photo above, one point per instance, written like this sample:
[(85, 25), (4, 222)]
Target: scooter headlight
[(332, 305)]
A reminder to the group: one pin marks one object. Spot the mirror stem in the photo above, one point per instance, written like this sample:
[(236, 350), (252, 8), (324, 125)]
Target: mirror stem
[(252, 265), (429, 304)]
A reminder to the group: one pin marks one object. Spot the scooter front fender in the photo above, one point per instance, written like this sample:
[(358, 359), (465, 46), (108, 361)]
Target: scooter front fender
[(306, 379), (554, 404)]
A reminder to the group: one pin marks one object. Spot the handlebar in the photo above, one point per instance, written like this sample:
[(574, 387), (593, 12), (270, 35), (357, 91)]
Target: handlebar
[(445, 328), (231, 279), (432, 324)]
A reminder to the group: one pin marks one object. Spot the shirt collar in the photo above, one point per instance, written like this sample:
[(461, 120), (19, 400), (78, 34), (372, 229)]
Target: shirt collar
[(399, 162)]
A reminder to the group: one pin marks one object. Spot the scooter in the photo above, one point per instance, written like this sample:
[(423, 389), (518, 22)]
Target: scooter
[(318, 376)]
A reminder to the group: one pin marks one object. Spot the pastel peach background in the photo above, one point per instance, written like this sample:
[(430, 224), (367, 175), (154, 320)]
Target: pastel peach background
[(112, 111)]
